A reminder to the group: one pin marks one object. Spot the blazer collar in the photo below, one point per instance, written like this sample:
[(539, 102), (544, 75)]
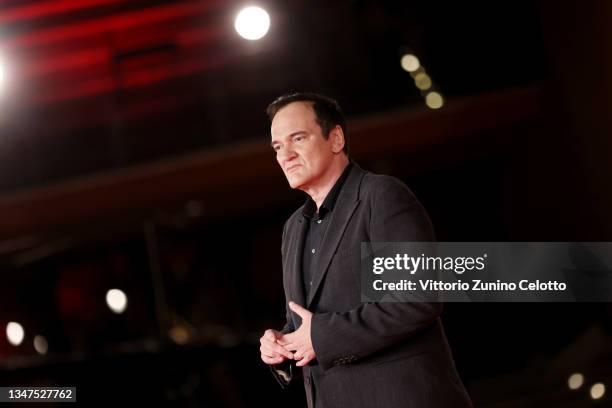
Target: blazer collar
[(347, 202), (295, 261)]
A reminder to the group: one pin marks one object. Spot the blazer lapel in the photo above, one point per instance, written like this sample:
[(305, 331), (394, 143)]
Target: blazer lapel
[(345, 206), (294, 263)]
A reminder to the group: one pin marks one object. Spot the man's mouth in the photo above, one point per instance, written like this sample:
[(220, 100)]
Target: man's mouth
[(293, 167)]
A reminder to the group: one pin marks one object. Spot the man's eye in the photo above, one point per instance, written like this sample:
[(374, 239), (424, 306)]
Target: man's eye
[(298, 138)]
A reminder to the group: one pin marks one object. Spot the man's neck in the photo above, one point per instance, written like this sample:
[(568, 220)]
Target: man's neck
[(319, 191)]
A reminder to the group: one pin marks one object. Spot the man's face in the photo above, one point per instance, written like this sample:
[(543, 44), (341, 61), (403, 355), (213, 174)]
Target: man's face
[(301, 150)]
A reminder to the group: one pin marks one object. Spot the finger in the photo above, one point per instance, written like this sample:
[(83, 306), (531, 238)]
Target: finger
[(299, 310), (285, 339), (307, 358), (281, 350), (272, 360), (265, 340), (271, 349), (267, 351), (270, 334)]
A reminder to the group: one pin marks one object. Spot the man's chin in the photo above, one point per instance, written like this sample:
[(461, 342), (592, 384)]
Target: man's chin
[(295, 182)]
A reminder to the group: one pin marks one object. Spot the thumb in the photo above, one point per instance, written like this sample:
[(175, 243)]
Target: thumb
[(298, 309)]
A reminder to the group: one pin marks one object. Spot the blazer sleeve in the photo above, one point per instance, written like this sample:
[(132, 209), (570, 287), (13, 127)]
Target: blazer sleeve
[(344, 337), (284, 372)]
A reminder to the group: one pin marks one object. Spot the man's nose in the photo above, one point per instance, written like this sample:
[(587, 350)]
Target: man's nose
[(286, 154)]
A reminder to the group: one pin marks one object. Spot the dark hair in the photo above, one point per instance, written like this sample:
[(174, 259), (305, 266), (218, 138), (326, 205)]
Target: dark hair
[(327, 111)]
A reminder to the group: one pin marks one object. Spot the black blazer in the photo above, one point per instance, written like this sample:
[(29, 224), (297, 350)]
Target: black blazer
[(368, 354)]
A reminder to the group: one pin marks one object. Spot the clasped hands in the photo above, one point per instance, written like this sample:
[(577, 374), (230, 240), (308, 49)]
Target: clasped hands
[(277, 347)]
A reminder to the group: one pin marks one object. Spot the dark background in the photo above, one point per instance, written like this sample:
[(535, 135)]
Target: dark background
[(134, 154)]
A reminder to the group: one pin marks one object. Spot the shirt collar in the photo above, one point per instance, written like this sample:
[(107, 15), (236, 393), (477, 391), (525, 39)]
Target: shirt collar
[(310, 207)]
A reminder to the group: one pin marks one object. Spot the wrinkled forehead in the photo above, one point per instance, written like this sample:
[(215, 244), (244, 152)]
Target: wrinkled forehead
[(293, 117)]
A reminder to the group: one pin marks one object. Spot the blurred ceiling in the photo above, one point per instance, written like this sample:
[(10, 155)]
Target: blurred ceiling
[(98, 85)]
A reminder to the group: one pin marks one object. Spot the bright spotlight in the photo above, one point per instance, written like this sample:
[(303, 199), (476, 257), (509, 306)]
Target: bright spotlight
[(252, 23), (598, 390), (40, 344), (575, 381), (14, 333), (116, 300), (434, 100), (410, 63)]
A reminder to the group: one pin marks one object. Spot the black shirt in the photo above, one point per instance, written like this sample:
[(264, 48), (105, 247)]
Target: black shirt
[(315, 228)]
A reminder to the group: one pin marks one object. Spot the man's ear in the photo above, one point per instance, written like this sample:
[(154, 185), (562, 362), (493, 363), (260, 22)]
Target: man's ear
[(337, 139)]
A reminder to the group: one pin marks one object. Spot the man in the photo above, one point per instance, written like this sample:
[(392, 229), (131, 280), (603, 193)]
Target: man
[(352, 354)]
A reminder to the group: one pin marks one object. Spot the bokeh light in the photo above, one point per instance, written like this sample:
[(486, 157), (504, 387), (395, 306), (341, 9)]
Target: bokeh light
[(252, 23)]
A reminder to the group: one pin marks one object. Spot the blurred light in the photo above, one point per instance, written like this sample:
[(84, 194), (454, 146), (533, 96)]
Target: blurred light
[(194, 208), (14, 333), (116, 300), (434, 100), (598, 390), (179, 335), (410, 63), (422, 81), (575, 381), (416, 72), (40, 344), (252, 23)]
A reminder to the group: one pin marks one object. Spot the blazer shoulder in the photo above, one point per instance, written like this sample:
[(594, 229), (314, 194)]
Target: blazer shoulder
[(374, 184)]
